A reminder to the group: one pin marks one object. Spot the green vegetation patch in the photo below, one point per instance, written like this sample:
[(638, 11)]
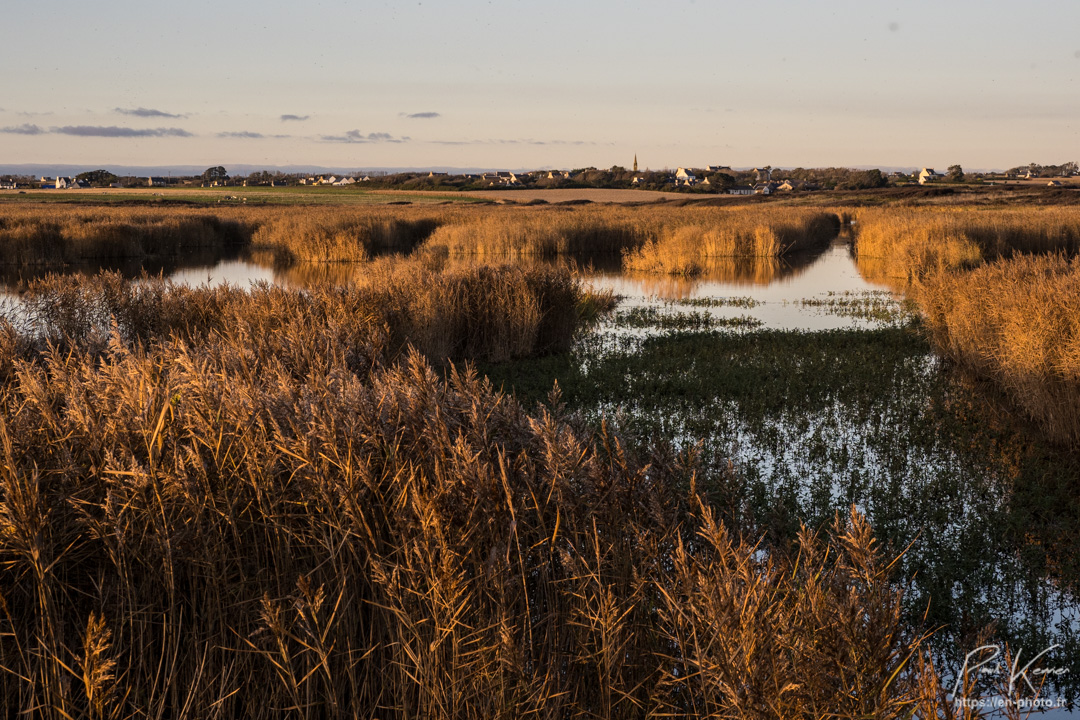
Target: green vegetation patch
[(875, 305), (649, 317), (711, 302)]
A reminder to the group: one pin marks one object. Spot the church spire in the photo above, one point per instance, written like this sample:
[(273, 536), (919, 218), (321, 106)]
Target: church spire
[(635, 162)]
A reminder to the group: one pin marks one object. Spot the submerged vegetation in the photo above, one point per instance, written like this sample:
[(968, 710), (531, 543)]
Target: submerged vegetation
[(792, 426), (876, 305), (654, 318)]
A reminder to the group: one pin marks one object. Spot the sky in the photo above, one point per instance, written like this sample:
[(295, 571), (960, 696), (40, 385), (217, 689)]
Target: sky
[(503, 84)]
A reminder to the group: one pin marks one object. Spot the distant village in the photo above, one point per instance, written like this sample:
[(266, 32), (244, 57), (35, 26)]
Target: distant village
[(707, 179)]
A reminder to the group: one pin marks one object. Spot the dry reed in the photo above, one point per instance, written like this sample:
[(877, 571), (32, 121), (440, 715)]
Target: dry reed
[(999, 295), (221, 504), (490, 312), (1016, 322), (53, 236), (916, 242), (686, 248)]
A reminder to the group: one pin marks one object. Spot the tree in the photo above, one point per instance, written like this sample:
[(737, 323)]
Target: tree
[(721, 181), (215, 174), (97, 178), (260, 177), (955, 173)]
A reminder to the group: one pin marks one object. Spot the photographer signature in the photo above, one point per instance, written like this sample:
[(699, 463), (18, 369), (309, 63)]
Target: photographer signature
[(987, 660)]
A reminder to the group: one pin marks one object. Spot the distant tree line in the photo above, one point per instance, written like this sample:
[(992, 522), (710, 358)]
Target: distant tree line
[(1037, 170)]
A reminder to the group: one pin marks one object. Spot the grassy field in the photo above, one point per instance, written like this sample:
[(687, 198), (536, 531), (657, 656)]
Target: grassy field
[(297, 195)]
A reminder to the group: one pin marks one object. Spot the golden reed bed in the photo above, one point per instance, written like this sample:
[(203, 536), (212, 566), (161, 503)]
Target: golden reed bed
[(999, 292), (650, 237), (216, 503)]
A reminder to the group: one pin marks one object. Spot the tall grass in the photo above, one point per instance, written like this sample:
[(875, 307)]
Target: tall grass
[(646, 235), (915, 242), (488, 312), (338, 235), (998, 292), (685, 248), (1016, 322), (544, 232), (254, 512), (57, 237)]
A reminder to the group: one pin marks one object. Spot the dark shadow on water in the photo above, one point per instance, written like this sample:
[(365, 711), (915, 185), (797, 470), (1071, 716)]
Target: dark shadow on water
[(13, 277)]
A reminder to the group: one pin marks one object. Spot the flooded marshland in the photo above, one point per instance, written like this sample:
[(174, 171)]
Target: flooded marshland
[(803, 389)]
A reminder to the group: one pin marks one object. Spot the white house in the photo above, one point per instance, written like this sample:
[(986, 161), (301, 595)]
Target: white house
[(60, 183), (684, 176), (928, 175), (501, 178)]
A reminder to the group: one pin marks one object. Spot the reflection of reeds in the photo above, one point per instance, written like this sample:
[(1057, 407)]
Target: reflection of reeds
[(687, 248), (746, 271)]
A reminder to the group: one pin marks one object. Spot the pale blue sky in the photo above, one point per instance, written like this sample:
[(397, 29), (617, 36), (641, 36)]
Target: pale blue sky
[(557, 83)]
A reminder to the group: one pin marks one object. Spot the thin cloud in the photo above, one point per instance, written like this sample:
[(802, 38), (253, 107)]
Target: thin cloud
[(118, 132), (421, 115), (25, 129), (95, 131), (294, 118), (355, 136), (526, 141), (146, 113), (244, 134)]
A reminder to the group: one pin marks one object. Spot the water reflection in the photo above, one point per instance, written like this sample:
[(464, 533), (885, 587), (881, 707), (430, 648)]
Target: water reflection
[(777, 288), (201, 260), (814, 422), (721, 274)]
